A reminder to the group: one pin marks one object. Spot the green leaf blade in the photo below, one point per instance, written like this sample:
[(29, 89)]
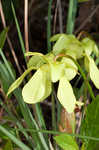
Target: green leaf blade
[(3, 35), (66, 142), (90, 125), (14, 139)]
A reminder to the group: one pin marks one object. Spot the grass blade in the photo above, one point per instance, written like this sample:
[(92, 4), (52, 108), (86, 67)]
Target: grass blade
[(3, 35), (49, 26), (38, 138), (18, 30), (15, 120), (23, 49), (59, 133), (7, 65), (71, 16), (14, 139)]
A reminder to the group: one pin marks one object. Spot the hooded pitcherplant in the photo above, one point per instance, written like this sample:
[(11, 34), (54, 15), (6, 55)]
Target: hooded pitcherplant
[(49, 70), (58, 65)]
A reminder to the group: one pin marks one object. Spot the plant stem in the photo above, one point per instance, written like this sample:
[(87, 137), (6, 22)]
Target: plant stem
[(54, 126), (19, 32), (71, 16), (7, 64), (40, 119), (49, 49), (26, 25), (53, 111), (49, 26), (59, 133), (14, 139), (85, 79)]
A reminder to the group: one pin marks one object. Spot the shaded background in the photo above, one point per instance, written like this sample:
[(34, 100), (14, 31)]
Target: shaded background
[(87, 19)]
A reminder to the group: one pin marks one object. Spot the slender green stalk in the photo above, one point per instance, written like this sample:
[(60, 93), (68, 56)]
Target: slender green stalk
[(49, 49), (42, 142), (84, 100), (14, 139), (40, 116), (71, 16), (97, 61), (86, 80), (41, 120), (54, 126), (58, 133), (18, 30), (15, 120), (85, 93), (38, 139), (53, 111), (38, 109), (49, 26), (59, 108), (3, 36), (7, 64)]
